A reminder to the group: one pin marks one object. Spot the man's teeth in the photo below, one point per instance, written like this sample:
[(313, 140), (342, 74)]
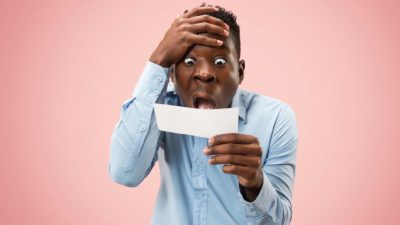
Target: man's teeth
[(205, 105)]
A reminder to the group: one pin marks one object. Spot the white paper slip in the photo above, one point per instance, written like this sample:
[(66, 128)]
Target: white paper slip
[(198, 122)]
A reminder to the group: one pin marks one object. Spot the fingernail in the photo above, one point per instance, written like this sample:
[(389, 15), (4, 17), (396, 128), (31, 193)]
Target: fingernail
[(206, 150), (211, 140), (226, 33), (227, 26), (219, 42)]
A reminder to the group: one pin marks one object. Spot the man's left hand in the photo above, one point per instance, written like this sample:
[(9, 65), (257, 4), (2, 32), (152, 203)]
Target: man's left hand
[(241, 155)]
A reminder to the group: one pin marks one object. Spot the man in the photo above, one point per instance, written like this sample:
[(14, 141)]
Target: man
[(237, 178)]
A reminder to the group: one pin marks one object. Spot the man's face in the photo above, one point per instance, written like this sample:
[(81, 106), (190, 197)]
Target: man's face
[(208, 77)]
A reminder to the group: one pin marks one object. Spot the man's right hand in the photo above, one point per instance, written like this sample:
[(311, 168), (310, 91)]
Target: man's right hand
[(185, 32)]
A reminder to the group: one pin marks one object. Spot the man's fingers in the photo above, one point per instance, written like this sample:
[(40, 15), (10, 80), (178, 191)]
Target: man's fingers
[(231, 148), (232, 138), (226, 159), (203, 40), (200, 10), (242, 171), (208, 19), (205, 27)]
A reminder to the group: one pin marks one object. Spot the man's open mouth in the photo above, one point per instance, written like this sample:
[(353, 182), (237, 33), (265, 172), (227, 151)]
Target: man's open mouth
[(204, 102)]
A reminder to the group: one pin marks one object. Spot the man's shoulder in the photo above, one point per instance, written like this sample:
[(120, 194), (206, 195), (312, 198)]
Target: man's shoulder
[(259, 107), (252, 99)]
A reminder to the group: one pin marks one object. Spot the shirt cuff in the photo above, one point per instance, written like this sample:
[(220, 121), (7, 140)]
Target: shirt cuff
[(265, 199), (151, 83), (151, 64)]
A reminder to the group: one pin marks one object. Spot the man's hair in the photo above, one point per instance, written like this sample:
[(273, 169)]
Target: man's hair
[(234, 30)]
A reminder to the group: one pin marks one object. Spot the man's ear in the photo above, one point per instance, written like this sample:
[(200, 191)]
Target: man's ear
[(242, 65), (172, 73)]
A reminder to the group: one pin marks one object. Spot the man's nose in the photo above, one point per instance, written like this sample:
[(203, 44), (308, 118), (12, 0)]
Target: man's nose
[(205, 73)]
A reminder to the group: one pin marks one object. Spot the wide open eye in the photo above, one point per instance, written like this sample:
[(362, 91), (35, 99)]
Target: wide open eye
[(188, 61), (219, 61)]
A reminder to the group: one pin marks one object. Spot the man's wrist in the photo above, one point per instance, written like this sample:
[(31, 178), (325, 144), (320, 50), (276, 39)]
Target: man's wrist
[(250, 193), (158, 58)]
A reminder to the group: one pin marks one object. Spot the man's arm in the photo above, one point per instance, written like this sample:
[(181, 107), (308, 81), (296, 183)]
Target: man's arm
[(135, 139), (273, 205), (267, 188)]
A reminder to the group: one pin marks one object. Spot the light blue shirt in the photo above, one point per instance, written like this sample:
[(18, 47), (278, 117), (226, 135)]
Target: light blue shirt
[(191, 190)]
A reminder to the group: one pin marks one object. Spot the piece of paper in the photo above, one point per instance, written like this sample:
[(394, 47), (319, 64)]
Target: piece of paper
[(198, 122)]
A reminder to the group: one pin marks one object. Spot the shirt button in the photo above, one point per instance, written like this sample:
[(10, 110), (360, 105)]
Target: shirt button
[(142, 128), (199, 161), (158, 79), (156, 92)]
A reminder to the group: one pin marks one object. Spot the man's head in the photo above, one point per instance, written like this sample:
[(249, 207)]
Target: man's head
[(208, 77)]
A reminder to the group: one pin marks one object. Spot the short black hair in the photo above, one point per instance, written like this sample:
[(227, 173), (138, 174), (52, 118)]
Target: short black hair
[(229, 18)]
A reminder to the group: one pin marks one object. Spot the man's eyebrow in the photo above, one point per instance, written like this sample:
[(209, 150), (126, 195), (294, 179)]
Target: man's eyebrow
[(222, 51), (189, 55)]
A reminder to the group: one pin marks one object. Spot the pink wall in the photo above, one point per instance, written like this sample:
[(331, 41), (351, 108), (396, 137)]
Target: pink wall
[(66, 67)]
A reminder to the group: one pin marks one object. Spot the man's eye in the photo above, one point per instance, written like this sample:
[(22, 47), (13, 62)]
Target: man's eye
[(188, 61), (219, 61)]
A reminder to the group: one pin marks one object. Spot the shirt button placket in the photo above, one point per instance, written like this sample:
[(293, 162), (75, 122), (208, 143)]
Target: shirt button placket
[(199, 183)]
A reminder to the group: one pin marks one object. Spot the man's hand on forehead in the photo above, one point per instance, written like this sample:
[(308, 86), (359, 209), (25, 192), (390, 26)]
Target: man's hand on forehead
[(186, 31)]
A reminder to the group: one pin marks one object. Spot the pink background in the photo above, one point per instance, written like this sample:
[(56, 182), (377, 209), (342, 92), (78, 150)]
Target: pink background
[(67, 66)]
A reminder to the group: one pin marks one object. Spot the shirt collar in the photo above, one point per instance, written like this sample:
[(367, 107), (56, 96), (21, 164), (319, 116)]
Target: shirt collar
[(238, 101)]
